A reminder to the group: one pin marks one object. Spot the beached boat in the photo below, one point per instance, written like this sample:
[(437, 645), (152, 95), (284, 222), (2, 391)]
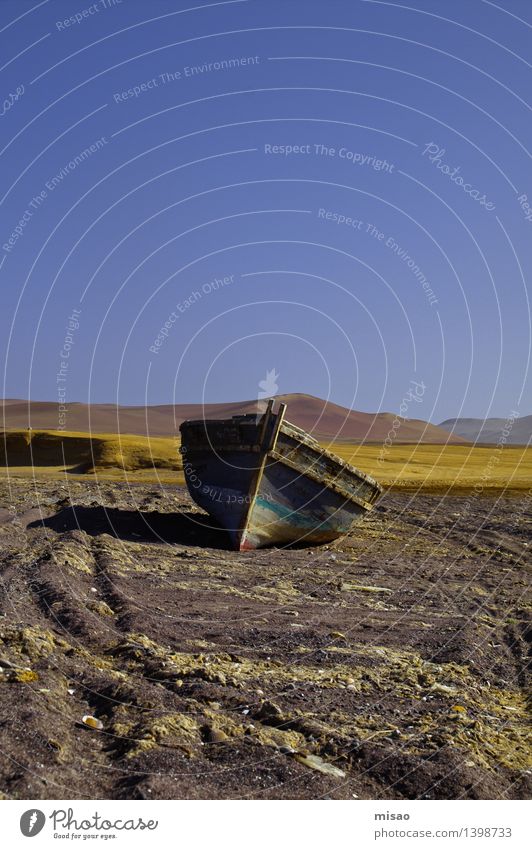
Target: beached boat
[(267, 482)]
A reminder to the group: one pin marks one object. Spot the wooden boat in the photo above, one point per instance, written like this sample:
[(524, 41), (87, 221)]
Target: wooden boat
[(267, 482)]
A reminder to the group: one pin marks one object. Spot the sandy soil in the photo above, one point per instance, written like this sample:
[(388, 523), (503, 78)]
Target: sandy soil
[(391, 665)]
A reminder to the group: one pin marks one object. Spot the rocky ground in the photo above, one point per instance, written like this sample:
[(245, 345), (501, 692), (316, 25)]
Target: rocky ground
[(391, 665)]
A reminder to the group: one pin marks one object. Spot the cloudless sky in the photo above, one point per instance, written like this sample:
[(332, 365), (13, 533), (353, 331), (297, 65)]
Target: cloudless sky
[(176, 202)]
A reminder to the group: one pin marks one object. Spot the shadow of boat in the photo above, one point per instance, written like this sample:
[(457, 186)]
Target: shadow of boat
[(180, 528)]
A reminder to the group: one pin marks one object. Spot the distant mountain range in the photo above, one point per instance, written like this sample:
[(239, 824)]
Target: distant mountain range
[(323, 419), (491, 430)]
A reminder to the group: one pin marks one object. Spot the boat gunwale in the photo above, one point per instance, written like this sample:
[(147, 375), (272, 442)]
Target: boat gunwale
[(325, 483), (293, 431), (312, 443)]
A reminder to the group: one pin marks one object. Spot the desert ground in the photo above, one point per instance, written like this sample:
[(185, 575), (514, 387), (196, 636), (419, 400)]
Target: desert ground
[(390, 665)]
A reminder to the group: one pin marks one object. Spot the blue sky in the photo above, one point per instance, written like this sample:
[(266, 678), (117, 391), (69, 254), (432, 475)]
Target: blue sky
[(335, 190)]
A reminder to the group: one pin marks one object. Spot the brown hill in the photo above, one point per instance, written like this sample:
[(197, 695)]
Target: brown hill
[(324, 420)]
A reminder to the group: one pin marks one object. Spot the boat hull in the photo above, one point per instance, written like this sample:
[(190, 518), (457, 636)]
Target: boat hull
[(269, 483), (290, 508)]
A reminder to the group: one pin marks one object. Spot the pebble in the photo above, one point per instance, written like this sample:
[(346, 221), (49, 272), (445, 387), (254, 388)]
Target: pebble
[(92, 722)]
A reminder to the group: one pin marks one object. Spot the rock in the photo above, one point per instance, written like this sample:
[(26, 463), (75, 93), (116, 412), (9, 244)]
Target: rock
[(269, 711), (215, 735), (287, 750)]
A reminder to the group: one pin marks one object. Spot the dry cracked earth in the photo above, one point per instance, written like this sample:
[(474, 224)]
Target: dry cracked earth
[(392, 665)]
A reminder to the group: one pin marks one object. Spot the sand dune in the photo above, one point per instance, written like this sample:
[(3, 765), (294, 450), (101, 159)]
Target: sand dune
[(323, 419)]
